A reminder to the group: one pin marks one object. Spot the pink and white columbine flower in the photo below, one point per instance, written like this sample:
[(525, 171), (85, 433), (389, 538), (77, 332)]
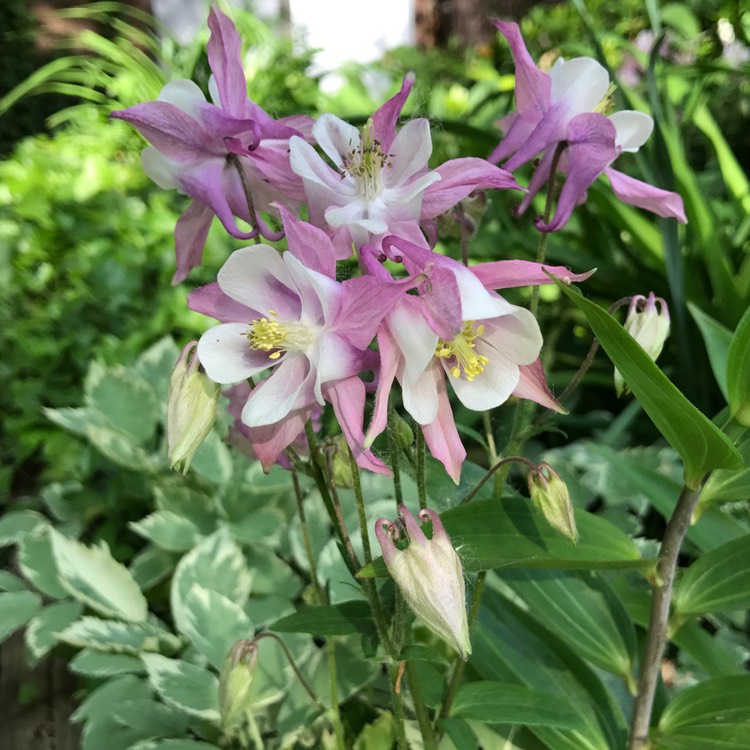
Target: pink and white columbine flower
[(566, 106), (380, 183), (287, 314), (459, 330), (198, 146)]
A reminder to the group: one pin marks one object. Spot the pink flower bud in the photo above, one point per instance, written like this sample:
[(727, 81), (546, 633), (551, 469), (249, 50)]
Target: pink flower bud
[(430, 576), (649, 326), (550, 496)]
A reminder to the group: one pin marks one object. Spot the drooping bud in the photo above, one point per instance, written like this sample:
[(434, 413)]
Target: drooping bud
[(430, 576), (550, 496), (191, 409), (341, 468), (649, 326), (234, 682), (401, 430)]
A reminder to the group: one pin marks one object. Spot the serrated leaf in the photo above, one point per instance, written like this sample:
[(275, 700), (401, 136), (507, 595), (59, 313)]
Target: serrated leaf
[(717, 338), (712, 715), (125, 400), (118, 637), (168, 531), (185, 686), (718, 581), (700, 443), (77, 420), (213, 460), (14, 526), (346, 618), (738, 371), (151, 719), (214, 623), (91, 663), (16, 609), (120, 449), (198, 507), (503, 703), (111, 693), (151, 566), (511, 533), (95, 578), (262, 527), (216, 564), (36, 561), (43, 629), (155, 366)]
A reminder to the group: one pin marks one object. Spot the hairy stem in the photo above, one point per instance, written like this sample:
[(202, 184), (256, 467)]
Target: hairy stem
[(336, 715), (656, 635), (420, 708), (421, 483), (307, 540)]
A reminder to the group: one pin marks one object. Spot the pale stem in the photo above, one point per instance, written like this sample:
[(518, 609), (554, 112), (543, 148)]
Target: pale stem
[(337, 726), (421, 486), (656, 635)]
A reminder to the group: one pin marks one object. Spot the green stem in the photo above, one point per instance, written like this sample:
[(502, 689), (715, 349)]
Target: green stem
[(361, 513), (421, 485), (337, 725), (398, 708), (307, 539), (489, 437), (420, 708), (502, 463), (234, 160), (395, 464)]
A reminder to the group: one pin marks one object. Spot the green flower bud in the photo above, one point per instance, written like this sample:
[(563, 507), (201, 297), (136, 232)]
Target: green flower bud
[(430, 576), (402, 432), (234, 682), (550, 496), (191, 409)]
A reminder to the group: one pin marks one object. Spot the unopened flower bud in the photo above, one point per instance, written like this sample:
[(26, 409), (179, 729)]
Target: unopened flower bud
[(402, 432), (191, 409), (234, 682), (430, 576), (648, 325), (550, 496), (341, 468)]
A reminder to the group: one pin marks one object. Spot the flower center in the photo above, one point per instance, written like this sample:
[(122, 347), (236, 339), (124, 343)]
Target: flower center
[(365, 164), (607, 102), (266, 334), (467, 362)]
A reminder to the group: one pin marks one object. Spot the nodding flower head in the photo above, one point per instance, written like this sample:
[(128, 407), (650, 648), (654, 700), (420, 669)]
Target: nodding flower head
[(429, 574), (549, 494)]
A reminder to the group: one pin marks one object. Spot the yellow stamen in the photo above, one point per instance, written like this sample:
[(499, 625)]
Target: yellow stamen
[(266, 334), (468, 362), (607, 102)]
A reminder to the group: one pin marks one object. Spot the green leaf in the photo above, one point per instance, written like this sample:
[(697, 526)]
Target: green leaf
[(503, 703), (718, 581), (155, 366), (16, 525), (151, 566), (150, 718), (16, 609), (214, 623), (261, 527), (77, 420), (582, 610), (95, 578), (37, 563), (185, 686), (42, 631), (118, 637), (717, 338), (120, 448), (738, 372), (347, 618), (725, 484), (216, 564), (511, 533), (701, 445), (212, 460), (168, 531), (173, 745), (125, 400), (91, 663), (712, 715), (113, 692), (10, 582), (459, 731)]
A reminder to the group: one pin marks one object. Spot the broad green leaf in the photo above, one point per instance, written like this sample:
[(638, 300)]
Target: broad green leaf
[(261, 527), (582, 610), (91, 663), (717, 338), (213, 460), (10, 582), (712, 715), (347, 618), (120, 448), (16, 609), (151, 719), (155, 366), (214, 623), (701, 445), (738, 371), (168, 531), (511, 533), (718, 581), (173, 745), (504, 703), (377, 735), (151, 566), (184, 686), (43, 629), (113, 692), (216, 564), (14, 526), (37, 563), (77, 420), (95, 578), (459, 731), (125, 400), (173, 496), (118, 637), (725, 484)]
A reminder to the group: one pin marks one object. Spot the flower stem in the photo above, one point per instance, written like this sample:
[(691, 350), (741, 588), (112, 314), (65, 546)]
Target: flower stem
[(421, 484), (307, 540), (398, 708), (656, 634), (395, 464), (420, 708), (336, 715), (499, 465)]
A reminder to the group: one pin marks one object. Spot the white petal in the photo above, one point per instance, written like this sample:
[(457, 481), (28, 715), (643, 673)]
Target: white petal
[(633, 129), (421, 396), (336, 137), (183, 94), (307, 163), (581, 82), (226, 354), (319, 295), (161, 169), (477, 303), (492, 387), (410, 152), (515, 338), (415, 339)]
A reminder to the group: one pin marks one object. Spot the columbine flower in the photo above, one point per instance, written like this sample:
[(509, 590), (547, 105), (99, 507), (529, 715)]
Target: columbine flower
[(198, 147), (648, 323), (458, 330), (568, 106), (191, 408), (379, 183), (430, 576), (285, 313), (549, 494)]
